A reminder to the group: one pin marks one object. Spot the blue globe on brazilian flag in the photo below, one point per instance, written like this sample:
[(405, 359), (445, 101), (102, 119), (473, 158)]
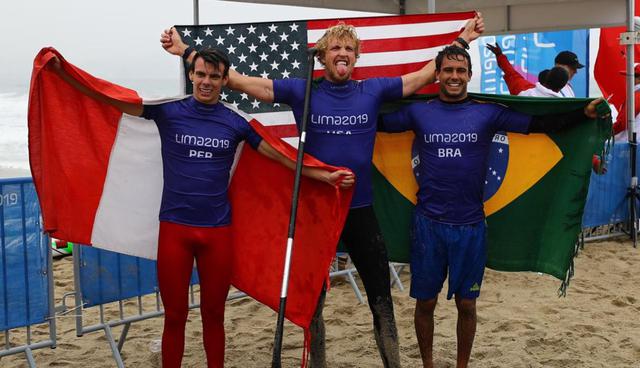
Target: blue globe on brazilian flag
[(535, 189)]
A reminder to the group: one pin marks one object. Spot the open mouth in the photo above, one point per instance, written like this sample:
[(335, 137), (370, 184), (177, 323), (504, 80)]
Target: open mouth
[(205, 91)]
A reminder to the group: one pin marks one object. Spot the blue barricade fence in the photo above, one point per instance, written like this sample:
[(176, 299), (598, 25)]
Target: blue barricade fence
[(607, 201), (107, 276), (24, 290), (26, 276)]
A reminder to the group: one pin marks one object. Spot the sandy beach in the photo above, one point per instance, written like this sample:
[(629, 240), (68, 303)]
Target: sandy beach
[(521, 323)]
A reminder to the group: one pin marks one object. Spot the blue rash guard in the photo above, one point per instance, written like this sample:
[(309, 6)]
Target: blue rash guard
[(199, 143), (341, 129), (453, 141)]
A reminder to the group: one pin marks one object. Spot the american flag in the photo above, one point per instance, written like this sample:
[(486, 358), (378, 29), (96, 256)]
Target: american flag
[(390, 46)]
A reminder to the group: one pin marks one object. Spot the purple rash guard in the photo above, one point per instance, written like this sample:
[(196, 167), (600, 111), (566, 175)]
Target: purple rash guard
[(342, 123), (453, 141), (199, 143)]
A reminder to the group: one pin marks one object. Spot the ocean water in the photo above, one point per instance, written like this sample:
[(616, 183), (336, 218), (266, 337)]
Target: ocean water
[(14, 99)]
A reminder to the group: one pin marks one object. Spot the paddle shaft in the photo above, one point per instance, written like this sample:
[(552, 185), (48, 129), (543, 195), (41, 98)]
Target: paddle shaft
[(277, 343)]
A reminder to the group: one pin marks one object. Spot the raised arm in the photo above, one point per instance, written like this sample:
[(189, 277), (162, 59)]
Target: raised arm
[(343, 178), (515, 82), (412, 82), (128, 108), (260, 88)]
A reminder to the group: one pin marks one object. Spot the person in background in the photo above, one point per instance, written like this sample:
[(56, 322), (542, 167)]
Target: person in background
[(518, 84)]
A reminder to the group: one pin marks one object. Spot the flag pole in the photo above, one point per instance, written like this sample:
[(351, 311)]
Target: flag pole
[(277, 344), (633, 192)]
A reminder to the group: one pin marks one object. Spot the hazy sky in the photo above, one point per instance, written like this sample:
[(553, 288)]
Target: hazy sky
[(118, 39)]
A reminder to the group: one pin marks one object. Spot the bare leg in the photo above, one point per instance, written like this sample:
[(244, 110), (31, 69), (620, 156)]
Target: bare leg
[(423, 320), (318, 353), (466, 329)]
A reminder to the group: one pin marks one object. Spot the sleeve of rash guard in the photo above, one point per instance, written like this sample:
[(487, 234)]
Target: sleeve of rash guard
[(288, 91), (398, 121)]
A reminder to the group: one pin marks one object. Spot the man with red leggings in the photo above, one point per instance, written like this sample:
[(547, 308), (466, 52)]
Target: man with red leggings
[(199, 137)]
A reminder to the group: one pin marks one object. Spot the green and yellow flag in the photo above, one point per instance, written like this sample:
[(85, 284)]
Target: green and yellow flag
[(535, 189)]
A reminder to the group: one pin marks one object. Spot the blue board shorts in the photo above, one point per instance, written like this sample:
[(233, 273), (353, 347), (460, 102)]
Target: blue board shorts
[(436, 247)]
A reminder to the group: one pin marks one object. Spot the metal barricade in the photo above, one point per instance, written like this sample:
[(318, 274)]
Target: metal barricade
[(26, 278), (606, 212)]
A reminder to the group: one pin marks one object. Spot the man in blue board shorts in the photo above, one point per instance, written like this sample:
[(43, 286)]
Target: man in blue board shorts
[(341, 131), (453, 137)]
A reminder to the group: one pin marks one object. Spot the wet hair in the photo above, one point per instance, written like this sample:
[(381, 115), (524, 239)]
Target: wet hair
[(452, 53), (556, 79), (340, 31), (213, 56)]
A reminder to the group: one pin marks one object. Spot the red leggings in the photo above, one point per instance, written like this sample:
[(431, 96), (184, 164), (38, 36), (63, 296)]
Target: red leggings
[(177, 248)]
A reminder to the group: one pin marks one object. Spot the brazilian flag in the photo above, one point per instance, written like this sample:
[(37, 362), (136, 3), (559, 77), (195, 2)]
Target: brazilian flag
[(535, 189)]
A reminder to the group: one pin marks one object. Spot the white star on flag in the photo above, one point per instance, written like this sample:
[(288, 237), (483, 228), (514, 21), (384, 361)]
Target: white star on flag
[(186, 33)]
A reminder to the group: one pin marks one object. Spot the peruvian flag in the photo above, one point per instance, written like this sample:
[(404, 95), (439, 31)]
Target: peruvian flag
[(98, 174)]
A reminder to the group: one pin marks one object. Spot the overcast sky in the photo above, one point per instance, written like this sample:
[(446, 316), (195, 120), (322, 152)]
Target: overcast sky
[(118, 39)]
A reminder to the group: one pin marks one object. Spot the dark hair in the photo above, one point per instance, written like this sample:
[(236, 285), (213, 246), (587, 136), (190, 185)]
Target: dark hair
[(542, 76), (213, 56), (556, 79), (452, 53)]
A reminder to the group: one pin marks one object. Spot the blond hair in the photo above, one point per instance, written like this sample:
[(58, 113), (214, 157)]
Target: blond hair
[(340, 31)]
